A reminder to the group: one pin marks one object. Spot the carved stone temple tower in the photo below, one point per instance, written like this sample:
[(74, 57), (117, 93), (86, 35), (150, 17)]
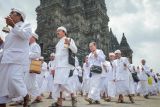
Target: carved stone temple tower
[(85, 20)]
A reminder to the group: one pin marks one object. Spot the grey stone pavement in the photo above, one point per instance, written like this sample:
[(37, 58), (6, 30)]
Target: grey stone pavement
[(153, 101)]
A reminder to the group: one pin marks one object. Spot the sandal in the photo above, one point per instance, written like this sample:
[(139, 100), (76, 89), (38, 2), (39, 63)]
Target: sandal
[(55, 105), (89, 100), (74, 102)]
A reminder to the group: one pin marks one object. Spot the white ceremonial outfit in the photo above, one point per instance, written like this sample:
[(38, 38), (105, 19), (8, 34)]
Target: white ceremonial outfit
[(109, 76), (62, 68), (73, 81), (96, 79), (42, 78), (123, 76), (142, 86), (86, 78), (30, 78), (51, 67), (13, 62)]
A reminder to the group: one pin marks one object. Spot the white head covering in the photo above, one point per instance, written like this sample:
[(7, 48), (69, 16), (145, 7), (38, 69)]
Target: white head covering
[(35, 35), (52, 54), (42, 58), (62, 28), (20, 12), (117, 51)]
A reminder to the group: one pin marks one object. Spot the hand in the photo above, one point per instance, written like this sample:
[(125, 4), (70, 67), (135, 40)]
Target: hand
[(95, 54), (67, 41), (104, 66), (9, 21), (125, 65)]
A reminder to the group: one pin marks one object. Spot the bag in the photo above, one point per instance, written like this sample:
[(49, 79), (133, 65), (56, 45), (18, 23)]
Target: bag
[(135, 77), (71, 58), (150, 80), (35, 66), (80, 79), (96, 69), (71, 73)]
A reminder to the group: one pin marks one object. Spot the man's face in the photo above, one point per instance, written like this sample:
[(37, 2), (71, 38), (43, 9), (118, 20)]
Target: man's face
[(143, 62), (15, 16), (117, 55), (60, 33), (92, 47), (111, 57), (52, 58), (31, 39)]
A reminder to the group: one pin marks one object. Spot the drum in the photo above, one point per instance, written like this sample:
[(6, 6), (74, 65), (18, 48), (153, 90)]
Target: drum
[(35, 66)]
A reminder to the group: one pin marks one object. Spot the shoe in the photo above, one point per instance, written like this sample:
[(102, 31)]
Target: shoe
[(49, 97), (16, 103), (74, 102), (107, 99), (146, 96), (26, 101), (55, 105), (89, 100), (96, 102), (131, 99)]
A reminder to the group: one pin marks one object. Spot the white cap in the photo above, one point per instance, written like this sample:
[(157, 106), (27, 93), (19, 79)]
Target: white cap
[(117, 51), (20, 12), (111, 54), (35, 35), (52, 54), (62, 28), (42, 58)]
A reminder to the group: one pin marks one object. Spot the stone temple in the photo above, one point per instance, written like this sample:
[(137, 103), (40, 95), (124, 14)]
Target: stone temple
[(85, 20)]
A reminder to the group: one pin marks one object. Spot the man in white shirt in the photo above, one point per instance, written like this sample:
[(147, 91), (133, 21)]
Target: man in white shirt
[(51, 68), (123, 76), (30, 78), (62, 67), (15, 59), (95, 59)]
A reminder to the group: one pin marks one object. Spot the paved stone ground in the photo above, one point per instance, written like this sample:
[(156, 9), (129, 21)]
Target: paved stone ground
[(153, 101)]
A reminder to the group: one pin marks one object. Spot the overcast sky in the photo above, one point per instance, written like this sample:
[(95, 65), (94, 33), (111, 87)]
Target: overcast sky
[(138, 19)]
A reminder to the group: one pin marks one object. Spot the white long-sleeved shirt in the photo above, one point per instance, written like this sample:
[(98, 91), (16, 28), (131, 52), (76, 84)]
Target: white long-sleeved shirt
[(16, 46), (62, 53), (96, 60)]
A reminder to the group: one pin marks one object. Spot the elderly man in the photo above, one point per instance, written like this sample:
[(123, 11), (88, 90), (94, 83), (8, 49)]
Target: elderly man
[(15, 59), (30, 78), (146, 71), (95, 59), (62, 67), (122, 77)]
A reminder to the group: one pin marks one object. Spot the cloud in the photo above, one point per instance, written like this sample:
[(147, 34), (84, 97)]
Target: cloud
[(139, 20)]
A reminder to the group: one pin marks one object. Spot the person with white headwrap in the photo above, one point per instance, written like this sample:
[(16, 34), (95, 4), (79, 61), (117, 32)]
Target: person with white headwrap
[(30, 78), (95, 59), (15, 59), (109, 76), (51, 68), (42, 77), (143, 86), (86, 77), (123, 77), (62, 67)]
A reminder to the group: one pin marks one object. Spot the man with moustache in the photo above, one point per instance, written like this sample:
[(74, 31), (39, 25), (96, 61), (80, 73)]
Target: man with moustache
[(15, 58)]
